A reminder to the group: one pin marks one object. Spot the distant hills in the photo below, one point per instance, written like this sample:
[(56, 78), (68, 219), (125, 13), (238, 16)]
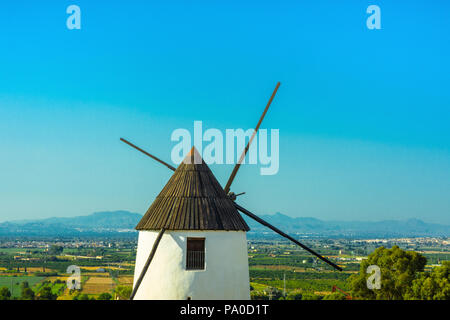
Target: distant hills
[(363, 229), (122, 223), (108, 223)]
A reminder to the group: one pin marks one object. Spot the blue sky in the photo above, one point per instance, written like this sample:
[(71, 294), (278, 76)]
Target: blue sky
[(363, 114)]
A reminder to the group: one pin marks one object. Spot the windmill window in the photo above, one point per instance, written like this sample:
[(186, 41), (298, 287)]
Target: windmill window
[(195, 254)]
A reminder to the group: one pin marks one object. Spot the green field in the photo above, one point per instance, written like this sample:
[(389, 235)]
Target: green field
[(275, 268), (13, 283), (13, 250), (305, 281)]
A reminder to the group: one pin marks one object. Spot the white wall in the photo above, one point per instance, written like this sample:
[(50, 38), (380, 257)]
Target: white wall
[(226, 267)]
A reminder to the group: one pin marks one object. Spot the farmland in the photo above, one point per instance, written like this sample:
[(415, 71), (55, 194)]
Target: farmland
[(14, 283), (277, 269)]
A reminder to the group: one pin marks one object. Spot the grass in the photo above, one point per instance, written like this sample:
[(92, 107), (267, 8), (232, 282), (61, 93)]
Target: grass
[(13, 250), (13, 283), (258, 286), (57, 288)]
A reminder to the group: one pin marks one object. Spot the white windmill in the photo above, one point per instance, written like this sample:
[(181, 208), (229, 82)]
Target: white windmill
[(194, 237)]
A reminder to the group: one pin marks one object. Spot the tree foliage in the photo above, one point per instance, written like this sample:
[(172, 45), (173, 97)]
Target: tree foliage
[(104, 296), (27, 294), (55, 250), (434, 285), (124, 292), (294, 295), (46, 294), (335, 296), (258, 295), (5, 294), (83, 296), (399, 268)]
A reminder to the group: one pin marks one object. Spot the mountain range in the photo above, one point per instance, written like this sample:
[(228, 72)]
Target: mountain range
[(364, 229), (122, 223), (107, 223)]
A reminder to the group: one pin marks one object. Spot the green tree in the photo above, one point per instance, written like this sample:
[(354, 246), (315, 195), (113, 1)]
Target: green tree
[(55, 250), (334, 296), (294, 295), (5, 294), (46, 294), (76, 296), (27, 294), (104, 296), (79, 296), (258, 295), (434, 285), (124, 292), (399, 268)]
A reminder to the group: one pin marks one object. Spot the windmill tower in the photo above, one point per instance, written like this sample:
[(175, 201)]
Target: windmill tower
[(194, 237), (203, 252)]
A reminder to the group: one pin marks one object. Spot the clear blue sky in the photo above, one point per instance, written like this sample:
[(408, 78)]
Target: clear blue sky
[(363, 114)]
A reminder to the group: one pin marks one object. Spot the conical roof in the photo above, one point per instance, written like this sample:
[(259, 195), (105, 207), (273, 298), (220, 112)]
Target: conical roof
[(192, 200)]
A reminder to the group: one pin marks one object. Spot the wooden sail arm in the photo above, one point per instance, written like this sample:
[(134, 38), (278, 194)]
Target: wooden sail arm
[(237, 166), (148, 154), (264, 223)]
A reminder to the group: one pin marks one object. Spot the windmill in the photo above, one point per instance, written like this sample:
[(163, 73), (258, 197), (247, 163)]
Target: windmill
[(200, 234)]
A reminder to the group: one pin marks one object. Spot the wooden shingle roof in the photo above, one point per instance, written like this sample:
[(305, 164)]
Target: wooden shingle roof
[(192, 200)]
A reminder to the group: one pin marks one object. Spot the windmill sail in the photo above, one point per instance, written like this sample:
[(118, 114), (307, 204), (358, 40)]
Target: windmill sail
[(194, 200), (238, 165), (285, 235), (147, 224)]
